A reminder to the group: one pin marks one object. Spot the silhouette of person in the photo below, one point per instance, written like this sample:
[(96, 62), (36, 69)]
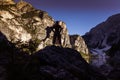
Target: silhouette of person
[(57, 33), (48, 31)]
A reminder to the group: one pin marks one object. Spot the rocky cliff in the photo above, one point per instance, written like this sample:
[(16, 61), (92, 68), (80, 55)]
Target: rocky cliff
[(101, 40), (50, 63), (78, 44), (6, 2), (24, 25), (114, 61), (30, 29), (104, 34), (25, 30)]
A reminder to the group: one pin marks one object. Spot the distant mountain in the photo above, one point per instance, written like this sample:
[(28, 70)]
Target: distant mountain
[(103, 42), (106, 33)]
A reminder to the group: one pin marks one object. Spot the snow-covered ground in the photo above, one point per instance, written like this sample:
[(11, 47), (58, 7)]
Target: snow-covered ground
[(99, 55)]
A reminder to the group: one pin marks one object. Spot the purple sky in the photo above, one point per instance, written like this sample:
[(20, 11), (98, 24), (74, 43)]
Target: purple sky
[(79, 15)]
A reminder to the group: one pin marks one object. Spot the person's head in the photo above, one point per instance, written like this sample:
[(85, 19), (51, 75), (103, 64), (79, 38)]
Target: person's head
[(57, 22)]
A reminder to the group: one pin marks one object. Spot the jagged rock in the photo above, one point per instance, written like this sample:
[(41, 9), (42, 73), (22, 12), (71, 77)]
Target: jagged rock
[(56, 63), (50, 63), (101, 40), (30, 29), (24, 7), (106, 33), (26, 27), (65, 64), (114, 61), (6, 2), (5, 56), (78, 44)]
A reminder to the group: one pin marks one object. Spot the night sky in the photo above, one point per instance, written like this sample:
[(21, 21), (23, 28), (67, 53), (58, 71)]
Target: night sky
[(79, 15)]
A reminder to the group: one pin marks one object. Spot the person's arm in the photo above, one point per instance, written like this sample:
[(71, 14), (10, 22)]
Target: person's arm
[(60, 28), (53, 28)]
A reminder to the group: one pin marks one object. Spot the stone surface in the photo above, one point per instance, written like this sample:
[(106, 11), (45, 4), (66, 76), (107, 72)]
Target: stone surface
[(50, 63), (114, 61), (26, 27), (78, 44), (7, 2), (30, 29), (103, 42), (25, 30), (102, 37), (105, 33)]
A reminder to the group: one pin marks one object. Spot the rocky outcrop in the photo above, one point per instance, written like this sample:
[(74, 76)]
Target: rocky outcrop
[(6, 56), (114, 61), (29, 28), (106, 33), (50, 63), (101, 41), (6, 2), (78, 44), (102, 37)]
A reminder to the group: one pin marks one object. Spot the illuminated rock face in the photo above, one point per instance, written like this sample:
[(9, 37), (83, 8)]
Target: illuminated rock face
[(6, 2), (78, 44), (24, 25)]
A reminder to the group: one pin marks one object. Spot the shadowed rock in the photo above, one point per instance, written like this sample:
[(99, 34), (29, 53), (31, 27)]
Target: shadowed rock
[(50, 63)]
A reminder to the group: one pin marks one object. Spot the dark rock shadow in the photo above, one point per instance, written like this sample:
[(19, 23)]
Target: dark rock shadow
[(65, 63), (48, 31), (50, 63)]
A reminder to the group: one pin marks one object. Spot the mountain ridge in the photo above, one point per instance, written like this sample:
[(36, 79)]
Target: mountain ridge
[(30, 29), (102, 41)]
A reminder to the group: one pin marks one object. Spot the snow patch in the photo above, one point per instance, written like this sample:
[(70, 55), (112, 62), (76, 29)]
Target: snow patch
[(99, 56)]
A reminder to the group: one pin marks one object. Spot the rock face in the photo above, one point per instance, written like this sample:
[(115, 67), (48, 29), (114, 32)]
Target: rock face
[(78, 44), (27, 27), (101, 40), (50, 63), (31, 29), (6, 2), (114, 61), (106, 33), (25, 34)]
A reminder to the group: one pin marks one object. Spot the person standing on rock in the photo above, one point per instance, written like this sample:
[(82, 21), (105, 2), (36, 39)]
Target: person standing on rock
[(57, 33)]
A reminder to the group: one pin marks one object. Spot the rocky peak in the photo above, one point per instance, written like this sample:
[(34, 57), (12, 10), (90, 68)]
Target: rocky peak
[(31, 29), (24, 7), (78, 44), (77, 41), (52, 62), (6, 2), (103, 42), (24, 25), (108, 32)]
